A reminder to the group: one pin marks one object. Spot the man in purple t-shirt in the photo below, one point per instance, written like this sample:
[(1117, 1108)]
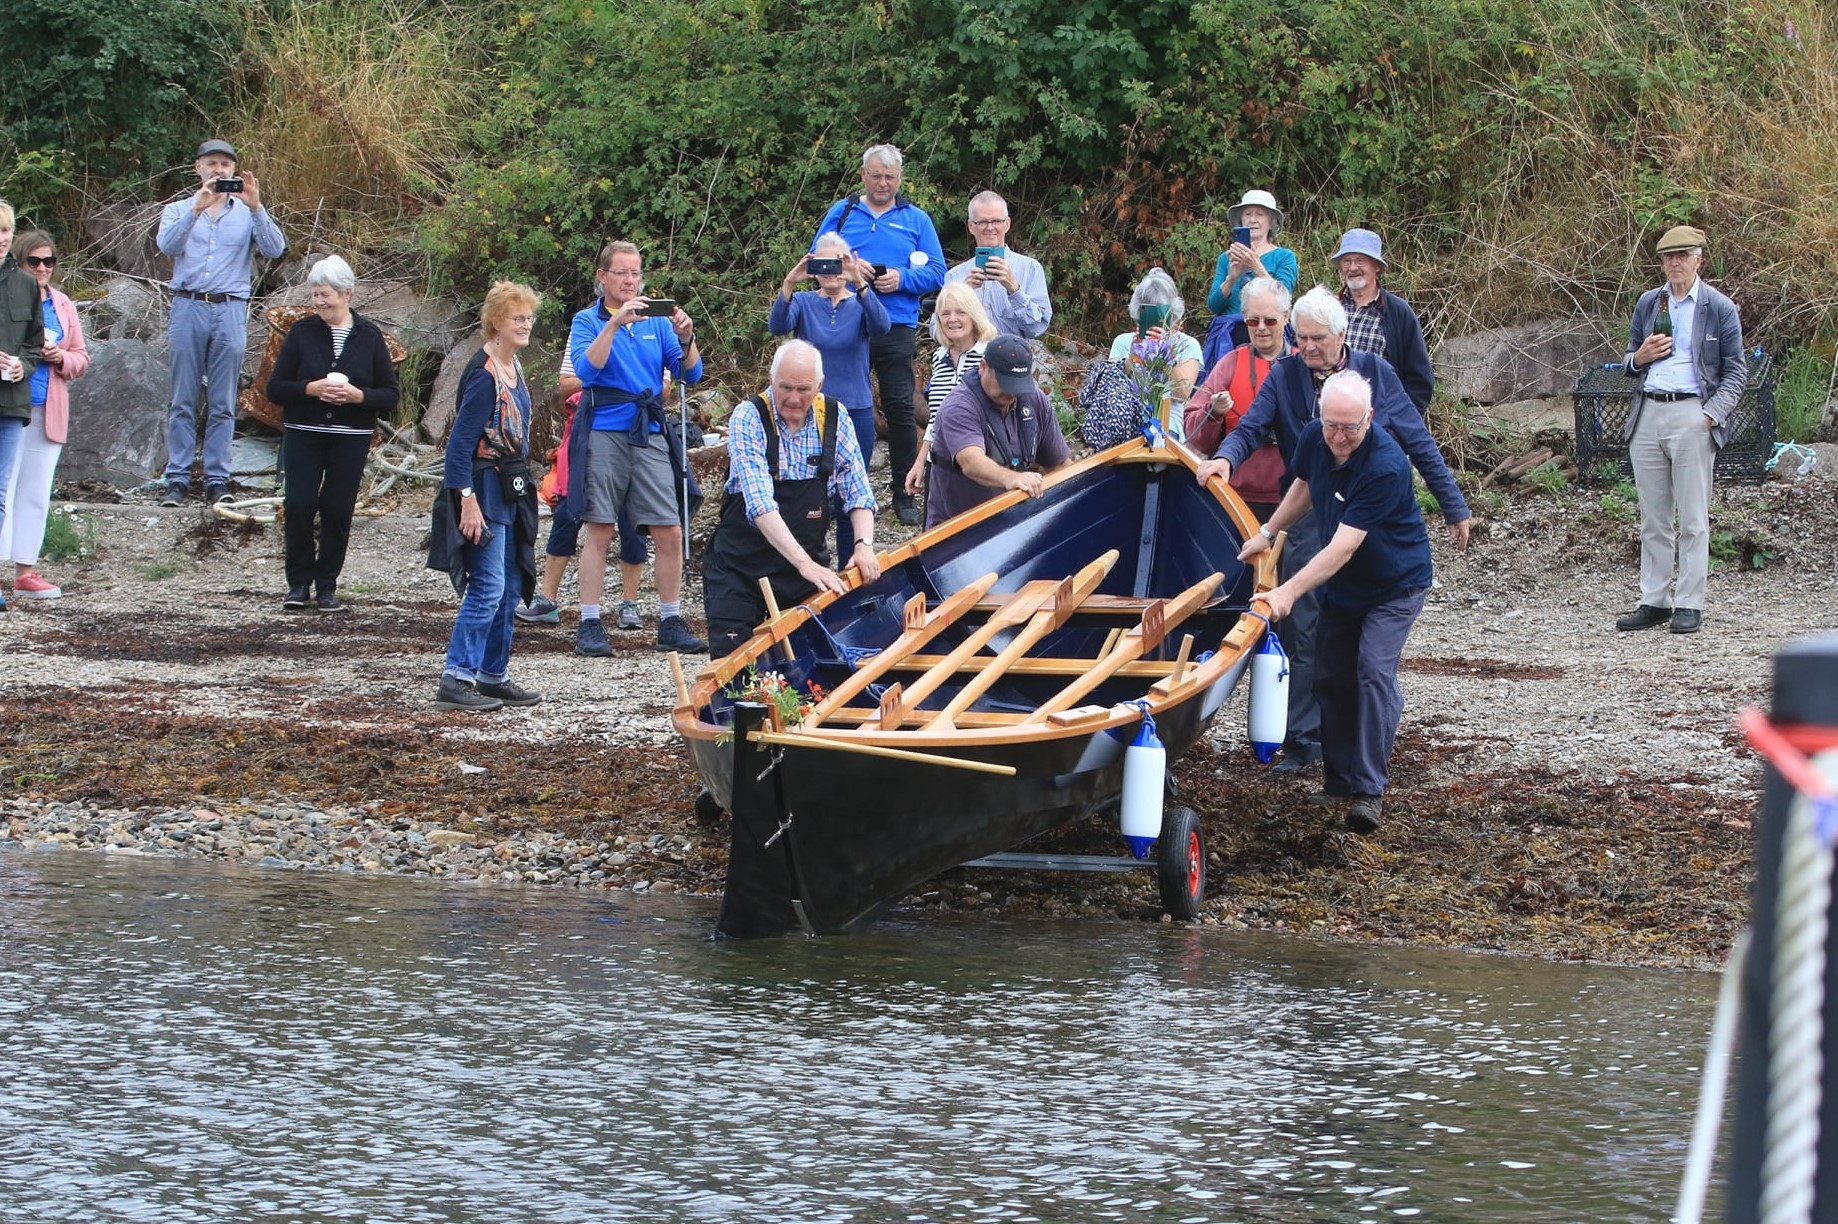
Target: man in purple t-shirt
[(995, 432)]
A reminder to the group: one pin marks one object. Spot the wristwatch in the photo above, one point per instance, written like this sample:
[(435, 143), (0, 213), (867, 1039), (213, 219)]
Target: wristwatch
[(1263, 529), (466, 492)]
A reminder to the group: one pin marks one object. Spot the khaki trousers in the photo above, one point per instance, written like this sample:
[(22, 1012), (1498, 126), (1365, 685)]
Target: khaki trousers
[(1672, 455)]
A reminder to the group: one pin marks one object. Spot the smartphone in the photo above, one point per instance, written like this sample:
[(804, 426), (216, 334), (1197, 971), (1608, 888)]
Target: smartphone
[(658, 308), (1241, 234), (880, 270), (985, 254), (227, 185), (1148, 317), (824, 265)]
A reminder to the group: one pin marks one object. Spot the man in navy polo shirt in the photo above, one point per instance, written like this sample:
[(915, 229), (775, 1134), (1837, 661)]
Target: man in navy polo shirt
[(1373, 569), (898, 238)]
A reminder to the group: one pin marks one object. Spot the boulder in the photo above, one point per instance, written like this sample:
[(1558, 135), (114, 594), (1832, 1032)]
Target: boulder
[(437, 419), (422, 324), (118, 415), (122, 234), (127, 310), (1528, 361)]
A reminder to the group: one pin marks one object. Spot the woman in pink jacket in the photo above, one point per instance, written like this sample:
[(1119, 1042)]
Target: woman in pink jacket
[(28, 492)]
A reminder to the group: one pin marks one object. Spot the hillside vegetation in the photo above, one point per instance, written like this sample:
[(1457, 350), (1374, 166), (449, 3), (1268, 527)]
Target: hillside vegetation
[(1518, 155)]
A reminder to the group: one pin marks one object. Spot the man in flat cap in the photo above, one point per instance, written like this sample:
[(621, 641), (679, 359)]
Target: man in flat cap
[(1685, 350), (212, 236)]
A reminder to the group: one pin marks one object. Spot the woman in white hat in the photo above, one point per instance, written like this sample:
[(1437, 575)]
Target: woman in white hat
[(1243, 262)]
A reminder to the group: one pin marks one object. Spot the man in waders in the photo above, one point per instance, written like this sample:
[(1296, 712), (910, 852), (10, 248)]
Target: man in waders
[(786, 459)]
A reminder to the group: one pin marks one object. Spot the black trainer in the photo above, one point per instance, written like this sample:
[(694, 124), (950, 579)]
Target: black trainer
[(175, 494), (298, 598), (673, 634), (457, 694), (329, 601), (216, 493), (509, 693)]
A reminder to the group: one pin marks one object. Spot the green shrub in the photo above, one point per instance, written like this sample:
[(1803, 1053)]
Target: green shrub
[(1800, 392)]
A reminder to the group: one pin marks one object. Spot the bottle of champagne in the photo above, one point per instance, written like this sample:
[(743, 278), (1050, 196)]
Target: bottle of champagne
[(1662, 322)]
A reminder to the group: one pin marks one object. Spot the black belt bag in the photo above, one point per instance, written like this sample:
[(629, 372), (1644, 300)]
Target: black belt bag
[(514, 479)]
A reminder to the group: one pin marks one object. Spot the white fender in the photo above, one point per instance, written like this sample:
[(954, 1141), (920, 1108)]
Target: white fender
[(1145, 776), (1269, 697)]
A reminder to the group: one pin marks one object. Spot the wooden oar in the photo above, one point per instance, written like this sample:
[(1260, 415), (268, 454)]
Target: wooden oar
[(1156, 622), (920, 627), (1020, 607), (1072, 592)]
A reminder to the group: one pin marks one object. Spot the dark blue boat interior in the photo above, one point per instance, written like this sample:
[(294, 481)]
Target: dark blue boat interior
[(1168, 533)]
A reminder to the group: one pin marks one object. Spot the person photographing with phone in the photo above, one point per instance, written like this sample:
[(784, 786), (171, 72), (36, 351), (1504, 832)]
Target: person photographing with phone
[(1011, 286), (619, 452), (897, 237), (212, 236)]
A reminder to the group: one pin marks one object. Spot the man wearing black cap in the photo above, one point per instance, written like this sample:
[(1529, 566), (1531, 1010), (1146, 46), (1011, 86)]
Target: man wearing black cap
[(1685, 348), (995, 432), (209, 235)]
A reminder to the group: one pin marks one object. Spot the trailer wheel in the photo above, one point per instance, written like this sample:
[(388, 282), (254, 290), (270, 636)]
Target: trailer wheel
[(708, 809), (1181, 864)]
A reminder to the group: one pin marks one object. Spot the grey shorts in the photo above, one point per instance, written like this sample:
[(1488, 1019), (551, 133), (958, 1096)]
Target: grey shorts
[(620, 473)]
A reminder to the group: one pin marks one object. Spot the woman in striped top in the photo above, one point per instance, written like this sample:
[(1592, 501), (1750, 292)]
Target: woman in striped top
[(332, 379), (961, 327)]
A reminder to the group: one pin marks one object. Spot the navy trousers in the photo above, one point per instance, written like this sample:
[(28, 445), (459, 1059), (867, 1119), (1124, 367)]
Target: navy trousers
[(1297, 630), (1356, 682)]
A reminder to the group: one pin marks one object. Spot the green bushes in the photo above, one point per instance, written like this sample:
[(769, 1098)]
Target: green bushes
[(103, 91)]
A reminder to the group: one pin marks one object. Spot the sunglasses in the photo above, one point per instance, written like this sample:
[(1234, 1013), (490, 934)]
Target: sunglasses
[(40, 261), (1263, 322)]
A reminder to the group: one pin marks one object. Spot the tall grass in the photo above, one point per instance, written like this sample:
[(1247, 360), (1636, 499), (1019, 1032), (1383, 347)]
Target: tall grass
[(354, 113)]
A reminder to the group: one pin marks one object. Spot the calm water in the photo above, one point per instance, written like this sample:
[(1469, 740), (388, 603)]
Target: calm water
[(194, 1042)]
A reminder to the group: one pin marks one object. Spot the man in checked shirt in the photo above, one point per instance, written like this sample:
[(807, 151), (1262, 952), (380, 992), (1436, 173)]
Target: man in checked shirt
[(786, 457)]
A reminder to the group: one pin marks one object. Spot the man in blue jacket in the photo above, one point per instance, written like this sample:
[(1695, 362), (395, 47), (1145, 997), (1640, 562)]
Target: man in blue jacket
[(898, 238), (1691, 374), (1372, 568), (1287, 401), (1379, 321)]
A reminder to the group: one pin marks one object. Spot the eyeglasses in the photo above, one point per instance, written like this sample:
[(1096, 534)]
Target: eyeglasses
[(1345, 430), (622, 273), (40, 261), (1263, 322), (979, 223), (520, 320)]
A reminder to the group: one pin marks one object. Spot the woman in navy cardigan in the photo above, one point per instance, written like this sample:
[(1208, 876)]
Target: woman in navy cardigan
[(332, 379)]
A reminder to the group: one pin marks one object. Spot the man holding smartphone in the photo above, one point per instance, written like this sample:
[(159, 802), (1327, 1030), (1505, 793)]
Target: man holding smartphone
[(898, 238), (211, 236), (1011, 286), (619, 453)]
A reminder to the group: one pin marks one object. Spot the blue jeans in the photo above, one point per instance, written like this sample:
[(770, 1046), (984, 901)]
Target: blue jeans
[(480, 648), (11, 430), (207, 340)]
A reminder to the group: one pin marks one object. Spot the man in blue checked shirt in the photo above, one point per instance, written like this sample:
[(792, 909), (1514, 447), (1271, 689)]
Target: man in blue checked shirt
[(786, 459), (209, 235)]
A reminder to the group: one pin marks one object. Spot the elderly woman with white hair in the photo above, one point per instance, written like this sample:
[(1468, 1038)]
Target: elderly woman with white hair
[(332, 379), (1158, 310)]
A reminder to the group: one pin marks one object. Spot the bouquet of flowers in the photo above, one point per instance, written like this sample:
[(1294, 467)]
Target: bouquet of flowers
[(1152, 375)]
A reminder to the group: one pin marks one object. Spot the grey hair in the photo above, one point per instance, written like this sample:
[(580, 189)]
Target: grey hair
[(886, 154), (1352, 384), (1269, 287), (833, 240), (984, 197), (334, 273), (1319, 305), (1157, 289), (802, 348)]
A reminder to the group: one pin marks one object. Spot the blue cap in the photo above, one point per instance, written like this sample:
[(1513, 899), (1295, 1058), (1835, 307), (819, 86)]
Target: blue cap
[(1361, 242)]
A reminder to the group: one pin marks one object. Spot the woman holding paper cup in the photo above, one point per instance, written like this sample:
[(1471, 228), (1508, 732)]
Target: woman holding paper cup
[(332, 379)]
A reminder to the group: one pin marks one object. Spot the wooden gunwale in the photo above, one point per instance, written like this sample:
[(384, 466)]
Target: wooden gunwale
[(717, 675)]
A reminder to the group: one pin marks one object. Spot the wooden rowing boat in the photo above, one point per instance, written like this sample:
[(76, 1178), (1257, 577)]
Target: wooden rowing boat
[(980, 692)]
